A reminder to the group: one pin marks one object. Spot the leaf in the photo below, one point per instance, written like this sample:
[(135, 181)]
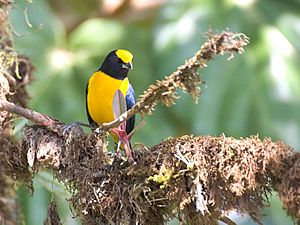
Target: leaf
[(119, 104)]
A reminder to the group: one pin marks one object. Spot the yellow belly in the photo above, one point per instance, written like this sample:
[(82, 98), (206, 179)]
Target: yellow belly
[(101, 90)]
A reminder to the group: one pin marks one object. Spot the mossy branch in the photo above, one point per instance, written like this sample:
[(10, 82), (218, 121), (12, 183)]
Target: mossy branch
[(186, 76), (197, 179), (29, 114)]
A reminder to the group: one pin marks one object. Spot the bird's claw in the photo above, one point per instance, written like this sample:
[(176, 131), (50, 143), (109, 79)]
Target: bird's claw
[(72, 128), (124, 139)]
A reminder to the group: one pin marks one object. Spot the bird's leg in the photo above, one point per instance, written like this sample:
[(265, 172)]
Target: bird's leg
[(137, 127), (124, 139), (128, 150)]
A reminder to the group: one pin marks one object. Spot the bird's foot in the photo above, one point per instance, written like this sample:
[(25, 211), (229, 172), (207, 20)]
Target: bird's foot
[(124, 140), (73, 128)]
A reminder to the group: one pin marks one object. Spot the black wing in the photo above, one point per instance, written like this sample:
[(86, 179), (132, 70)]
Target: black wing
[(91, 121), (130, 102)]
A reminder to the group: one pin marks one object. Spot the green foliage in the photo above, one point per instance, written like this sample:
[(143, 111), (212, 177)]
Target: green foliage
[(256, 93)]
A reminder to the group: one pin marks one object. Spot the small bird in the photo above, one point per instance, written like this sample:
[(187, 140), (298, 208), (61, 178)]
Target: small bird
[(102, 86)]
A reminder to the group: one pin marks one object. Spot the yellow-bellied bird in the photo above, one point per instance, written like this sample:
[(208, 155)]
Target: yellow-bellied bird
[(102, 87)]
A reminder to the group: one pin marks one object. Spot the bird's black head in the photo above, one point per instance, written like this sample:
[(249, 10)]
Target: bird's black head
[(117, 64)]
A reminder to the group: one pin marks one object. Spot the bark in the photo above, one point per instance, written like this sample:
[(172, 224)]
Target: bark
[(197, 179)]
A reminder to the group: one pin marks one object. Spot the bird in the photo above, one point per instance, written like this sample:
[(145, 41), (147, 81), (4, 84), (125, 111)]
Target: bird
[(103, 84)]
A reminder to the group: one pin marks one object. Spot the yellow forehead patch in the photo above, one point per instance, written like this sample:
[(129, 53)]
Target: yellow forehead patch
[(124, 55)]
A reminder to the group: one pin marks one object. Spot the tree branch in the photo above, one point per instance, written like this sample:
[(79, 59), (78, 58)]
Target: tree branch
[(164, 91), (29, 114), (198, 179), (186, 76)]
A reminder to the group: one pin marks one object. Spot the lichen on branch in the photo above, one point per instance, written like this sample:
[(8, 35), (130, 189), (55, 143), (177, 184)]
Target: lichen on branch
[(186, 77), (196, 179)]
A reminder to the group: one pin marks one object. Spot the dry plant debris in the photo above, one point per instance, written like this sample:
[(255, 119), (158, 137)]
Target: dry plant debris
[(186, 77), (15, 75), (8, 205), (13, 163), (196, 179), (288, 186), (52, 215)]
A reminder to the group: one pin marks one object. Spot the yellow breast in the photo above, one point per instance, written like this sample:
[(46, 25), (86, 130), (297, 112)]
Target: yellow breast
[(101, 90)]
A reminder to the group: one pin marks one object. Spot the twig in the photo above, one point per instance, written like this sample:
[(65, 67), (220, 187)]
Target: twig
[(185, 77), (227, 220), (29, 114)]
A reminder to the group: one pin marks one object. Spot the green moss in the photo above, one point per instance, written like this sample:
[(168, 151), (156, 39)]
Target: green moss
[(163, 178)]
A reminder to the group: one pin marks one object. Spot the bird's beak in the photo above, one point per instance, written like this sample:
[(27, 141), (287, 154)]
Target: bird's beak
[(128, 66)]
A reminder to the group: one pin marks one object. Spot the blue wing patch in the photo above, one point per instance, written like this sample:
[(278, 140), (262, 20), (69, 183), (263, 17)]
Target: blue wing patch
[(130, 101)]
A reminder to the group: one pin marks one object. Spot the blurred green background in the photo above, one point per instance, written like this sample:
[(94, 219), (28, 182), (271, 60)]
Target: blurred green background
[(256, 93)]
